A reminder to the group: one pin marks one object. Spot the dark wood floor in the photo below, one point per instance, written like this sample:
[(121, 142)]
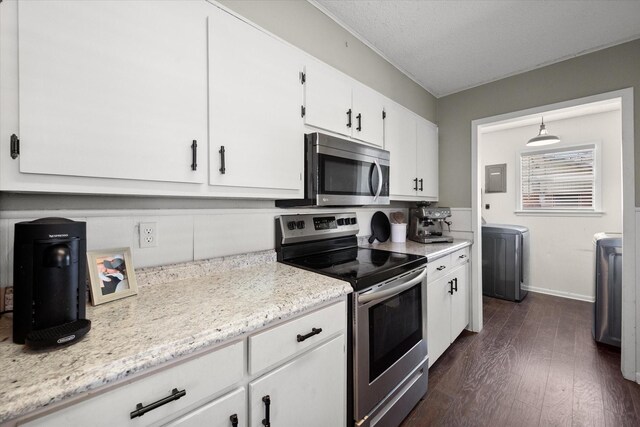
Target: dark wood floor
[(534, 364)]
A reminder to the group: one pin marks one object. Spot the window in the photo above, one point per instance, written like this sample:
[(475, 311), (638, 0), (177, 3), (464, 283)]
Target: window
[(559, 179)]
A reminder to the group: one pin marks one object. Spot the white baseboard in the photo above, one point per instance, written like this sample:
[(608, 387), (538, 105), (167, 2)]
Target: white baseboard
[(561, 294), (638, 377)]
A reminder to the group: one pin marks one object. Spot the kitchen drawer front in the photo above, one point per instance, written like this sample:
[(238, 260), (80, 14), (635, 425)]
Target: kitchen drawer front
[(218, 413), (270, 347), (460, 256), (200, 378), (438, 268)]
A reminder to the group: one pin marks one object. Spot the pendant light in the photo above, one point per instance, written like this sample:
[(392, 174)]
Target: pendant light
[(543, 137)]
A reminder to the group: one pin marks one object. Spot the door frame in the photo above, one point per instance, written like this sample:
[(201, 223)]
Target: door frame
[(629, 306)]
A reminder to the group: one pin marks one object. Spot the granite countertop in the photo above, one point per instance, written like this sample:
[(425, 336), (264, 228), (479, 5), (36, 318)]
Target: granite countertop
[(432, 251), (190, 307)]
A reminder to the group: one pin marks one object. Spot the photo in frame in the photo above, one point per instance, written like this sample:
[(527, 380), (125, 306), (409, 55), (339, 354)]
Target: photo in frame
[(112, 275)]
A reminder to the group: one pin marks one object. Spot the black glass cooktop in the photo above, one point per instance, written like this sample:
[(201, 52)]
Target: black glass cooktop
[(362, 267)]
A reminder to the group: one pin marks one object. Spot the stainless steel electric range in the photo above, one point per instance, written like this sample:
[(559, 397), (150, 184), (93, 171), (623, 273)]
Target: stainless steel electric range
[(387, 358)]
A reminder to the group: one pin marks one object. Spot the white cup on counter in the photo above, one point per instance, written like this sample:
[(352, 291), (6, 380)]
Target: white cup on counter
[(398, 233)]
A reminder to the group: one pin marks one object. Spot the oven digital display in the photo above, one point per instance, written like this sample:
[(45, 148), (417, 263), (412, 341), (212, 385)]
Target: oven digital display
[(325, 223)]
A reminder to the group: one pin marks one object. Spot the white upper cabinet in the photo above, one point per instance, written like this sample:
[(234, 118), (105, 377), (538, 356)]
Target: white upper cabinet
[(337, 103), (113, 89), (255, 109), (413, 144), (327, 100), (400, 141), (368, 119), (427, 159)]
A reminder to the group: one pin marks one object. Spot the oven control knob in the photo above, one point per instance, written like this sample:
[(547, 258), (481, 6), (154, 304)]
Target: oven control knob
[(354, 221), (291, 225), (341, 221), (300, 224)]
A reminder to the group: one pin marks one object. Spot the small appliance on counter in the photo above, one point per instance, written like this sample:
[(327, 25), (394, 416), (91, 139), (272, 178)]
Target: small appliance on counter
[(49, 283), (426, 224)]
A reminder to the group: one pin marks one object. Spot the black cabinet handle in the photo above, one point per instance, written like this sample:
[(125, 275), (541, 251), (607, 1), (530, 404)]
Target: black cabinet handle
[(359, 117), (222, 169), (314, 331), (349, 118), (234, 420), (442, 267), (194, 155), (462, 256), (266, 422), (415, 184), (450, 291), (421, 186), (455, 284), (141, 409)]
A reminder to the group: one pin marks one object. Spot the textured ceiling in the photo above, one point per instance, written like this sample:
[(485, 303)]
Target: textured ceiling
[(448, 46)]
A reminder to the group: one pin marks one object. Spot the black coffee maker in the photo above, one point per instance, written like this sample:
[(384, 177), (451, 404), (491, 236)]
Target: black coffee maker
[(49, 282)]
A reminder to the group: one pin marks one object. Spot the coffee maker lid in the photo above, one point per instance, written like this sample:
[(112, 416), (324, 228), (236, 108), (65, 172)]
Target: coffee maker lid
[(51, 220)]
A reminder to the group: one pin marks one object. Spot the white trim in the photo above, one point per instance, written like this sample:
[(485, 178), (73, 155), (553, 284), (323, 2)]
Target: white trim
[(630, 307), (370, 46), (562, 294), (638, 377), (576, 212)]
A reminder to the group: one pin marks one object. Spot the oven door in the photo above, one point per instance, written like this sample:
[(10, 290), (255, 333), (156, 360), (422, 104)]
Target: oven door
[(350, 178), (389, 337)]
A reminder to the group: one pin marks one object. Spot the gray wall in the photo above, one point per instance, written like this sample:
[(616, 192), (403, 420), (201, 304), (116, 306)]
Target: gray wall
[(303, 25), (606, 70)]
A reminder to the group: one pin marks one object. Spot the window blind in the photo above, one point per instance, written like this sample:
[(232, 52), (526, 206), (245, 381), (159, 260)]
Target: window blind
[(560, 179)]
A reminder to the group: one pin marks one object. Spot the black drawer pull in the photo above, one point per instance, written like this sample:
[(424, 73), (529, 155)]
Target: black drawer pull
[(415, 184), (194, 155), (314, 331), (141, 409), (455, 284), (450, 291), (222, 169), (266, 422), (421, 184), (359, 117), (349, 118), (234, 420), (442, 267), (462, 256)]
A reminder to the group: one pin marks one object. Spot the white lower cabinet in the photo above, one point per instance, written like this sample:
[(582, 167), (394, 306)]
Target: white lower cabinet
[(199, 378), (226, 411), (309, 391), (447, 307)]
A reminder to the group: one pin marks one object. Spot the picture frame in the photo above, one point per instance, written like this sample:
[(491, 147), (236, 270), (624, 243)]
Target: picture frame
[(111, 274)]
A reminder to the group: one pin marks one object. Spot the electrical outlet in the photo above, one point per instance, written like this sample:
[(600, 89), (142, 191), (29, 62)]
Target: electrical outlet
[(148, 234)]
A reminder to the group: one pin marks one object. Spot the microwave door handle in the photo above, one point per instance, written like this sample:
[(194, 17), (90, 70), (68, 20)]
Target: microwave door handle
[(377, 295), (379, 169)]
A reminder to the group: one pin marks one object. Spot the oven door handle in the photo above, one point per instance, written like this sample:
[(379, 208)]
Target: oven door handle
[(377, 295), (379, 190)]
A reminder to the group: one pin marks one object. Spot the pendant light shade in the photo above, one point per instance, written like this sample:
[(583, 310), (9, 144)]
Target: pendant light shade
[(543, 137)]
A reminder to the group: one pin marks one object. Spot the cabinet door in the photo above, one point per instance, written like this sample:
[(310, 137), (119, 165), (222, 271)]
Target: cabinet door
[(368, 124), (438, 317), (218, 413), (309, 390), (400, 141), (427, 159), (460, 302), (255, 100), (113, 89), (327, 98)]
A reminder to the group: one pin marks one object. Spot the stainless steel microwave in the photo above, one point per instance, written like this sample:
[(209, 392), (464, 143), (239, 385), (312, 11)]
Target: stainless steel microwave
[(339, 172)]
